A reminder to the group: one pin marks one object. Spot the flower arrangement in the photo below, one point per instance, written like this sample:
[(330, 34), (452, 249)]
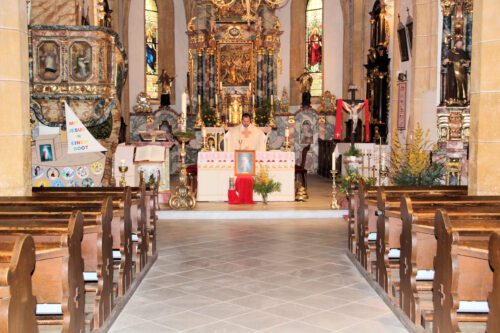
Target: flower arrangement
[(264, 185), (353, 177), (412, 166)]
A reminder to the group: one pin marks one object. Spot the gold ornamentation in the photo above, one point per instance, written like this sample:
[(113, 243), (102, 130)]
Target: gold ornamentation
[(250, 6), (182, 198), (335, 204), (291, 120), (142, 104), (327, 102), (447, 6)]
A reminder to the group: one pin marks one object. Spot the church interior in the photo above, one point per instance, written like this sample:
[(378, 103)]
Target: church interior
[(249, 166)]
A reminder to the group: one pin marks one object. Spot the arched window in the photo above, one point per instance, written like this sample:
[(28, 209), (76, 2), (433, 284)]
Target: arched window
[(151, 30), (314, 45)]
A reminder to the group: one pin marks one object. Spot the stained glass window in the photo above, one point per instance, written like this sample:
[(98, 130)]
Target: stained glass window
[(314, 44), (151, 29)]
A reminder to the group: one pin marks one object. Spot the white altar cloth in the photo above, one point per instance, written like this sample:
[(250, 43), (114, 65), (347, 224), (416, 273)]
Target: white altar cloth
[(215, 168)]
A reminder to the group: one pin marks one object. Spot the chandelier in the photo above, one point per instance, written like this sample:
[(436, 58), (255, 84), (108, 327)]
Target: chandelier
[(251, 6)]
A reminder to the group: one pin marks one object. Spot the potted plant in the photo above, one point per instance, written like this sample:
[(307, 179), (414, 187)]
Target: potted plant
[(412, 165), (264, 185), (353, 158)]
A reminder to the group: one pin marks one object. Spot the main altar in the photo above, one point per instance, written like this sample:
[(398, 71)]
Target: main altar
[(216, 168), (233, 64)]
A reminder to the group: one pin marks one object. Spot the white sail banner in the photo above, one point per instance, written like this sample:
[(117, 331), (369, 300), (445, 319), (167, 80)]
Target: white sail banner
[(79, 138)]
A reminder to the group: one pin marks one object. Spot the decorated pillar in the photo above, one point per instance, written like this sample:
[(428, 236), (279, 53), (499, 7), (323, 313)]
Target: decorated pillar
[(15, 136), (200, 73), (211, 81), (270, 73), (484, 144), (260, 77)]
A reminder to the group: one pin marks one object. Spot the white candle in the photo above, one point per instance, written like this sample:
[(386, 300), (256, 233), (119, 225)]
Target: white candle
[(220, 85), (250, 87), (199, 99), (203, 132), (184, 100), (122, 162), (333, 162), (382, 162), (272, 99), (287, 132), (216, 100), (253, 99)]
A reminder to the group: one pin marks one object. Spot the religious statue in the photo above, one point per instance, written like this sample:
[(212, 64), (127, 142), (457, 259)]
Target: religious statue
[(165, 82), (305, 79), (235, 109), (457, 62), (314, 49)]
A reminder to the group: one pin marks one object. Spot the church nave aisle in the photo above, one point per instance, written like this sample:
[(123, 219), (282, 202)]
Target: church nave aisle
[(255, 276)]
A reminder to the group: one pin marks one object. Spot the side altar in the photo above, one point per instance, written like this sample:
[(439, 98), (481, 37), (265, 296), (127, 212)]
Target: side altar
[(216, 168)]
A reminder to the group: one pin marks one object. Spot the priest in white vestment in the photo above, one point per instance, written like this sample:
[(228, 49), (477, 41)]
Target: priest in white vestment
[(245, 136)]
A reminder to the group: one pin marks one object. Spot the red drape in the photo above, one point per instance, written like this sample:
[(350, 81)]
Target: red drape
[(243, 192), (338, 121)]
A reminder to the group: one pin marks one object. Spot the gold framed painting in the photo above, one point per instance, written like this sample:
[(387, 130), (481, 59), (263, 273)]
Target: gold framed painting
[(235, 64), (244, 163)]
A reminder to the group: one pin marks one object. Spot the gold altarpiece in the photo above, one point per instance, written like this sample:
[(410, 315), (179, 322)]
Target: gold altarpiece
[(232, 63)]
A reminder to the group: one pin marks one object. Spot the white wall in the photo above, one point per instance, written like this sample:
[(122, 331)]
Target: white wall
[(136, 51), (333, 46), (181, 53)]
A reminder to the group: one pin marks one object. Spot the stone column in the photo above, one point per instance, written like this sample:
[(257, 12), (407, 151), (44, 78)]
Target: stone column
[(15, 134), (484, 143), (424, 61)]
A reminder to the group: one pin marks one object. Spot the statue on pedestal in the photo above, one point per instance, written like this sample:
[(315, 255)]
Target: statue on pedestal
[(165, 87), (305, 79), (457, 62)]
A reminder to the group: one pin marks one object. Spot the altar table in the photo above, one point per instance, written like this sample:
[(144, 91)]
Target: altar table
[(215, 168)]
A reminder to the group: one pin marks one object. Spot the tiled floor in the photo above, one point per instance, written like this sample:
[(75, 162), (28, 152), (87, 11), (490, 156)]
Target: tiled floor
[(254, 276)]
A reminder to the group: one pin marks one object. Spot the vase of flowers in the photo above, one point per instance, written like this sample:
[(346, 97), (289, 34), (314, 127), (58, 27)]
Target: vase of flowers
[(264, 185)]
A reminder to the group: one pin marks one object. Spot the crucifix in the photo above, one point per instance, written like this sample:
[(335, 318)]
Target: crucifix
[(353, 107)]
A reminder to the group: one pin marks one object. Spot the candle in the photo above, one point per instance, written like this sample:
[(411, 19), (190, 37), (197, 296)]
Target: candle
[(287, 132), (250, 87), (122, 162), (333, 162), (382, 161), (184, 101), (253, 99), (216, 100), (203, 132), (199, 99), (272, 99), (220, 85)]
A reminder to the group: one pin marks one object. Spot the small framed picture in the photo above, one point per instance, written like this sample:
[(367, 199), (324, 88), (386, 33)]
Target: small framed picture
[(46, 153), (244, 162)]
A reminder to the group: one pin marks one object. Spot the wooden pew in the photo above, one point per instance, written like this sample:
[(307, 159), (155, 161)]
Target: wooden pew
[(493, 324), (462, 271), (58, 275), (371, 219), (143, 220), (418, 244), (17, 303), (96, 248), (121, 225)]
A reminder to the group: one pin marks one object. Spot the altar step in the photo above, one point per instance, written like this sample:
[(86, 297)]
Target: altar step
[(248, 214)]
